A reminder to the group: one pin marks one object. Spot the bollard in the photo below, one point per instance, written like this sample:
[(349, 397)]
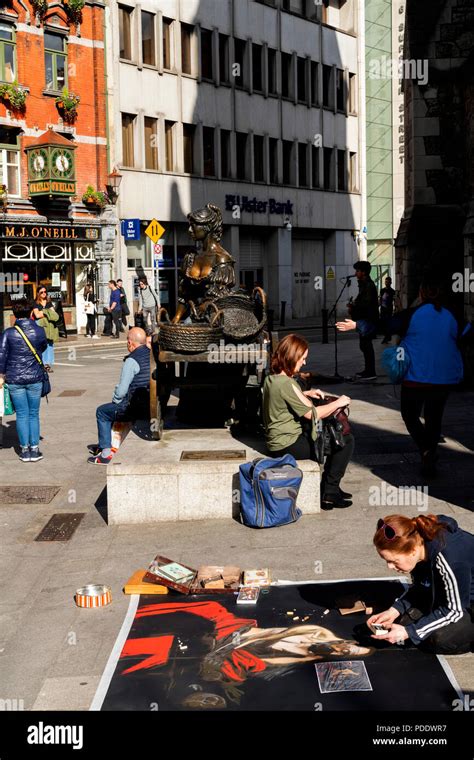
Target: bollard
[(324, 314), (282, 313)]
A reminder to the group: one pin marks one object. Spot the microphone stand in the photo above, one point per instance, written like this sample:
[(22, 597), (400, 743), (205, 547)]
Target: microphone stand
[(337, 377)]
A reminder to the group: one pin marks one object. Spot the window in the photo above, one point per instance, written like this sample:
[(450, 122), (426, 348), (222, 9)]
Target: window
[(128, 147), (257, 79), (340, 95), (328, 98), (352, 93), (225, 153), (167, 34), (241, 146), (169, 148), (328, 169), (287, 153), (189, 133), (273, 145), (301, 74), (125, 34), (286, 72), (224, 58), (258, 159), (302, 165), (239, 55), (187, 32), (272, 76), (314, 166), (341, 171), (294, 6), (208, 151), (10, 160), (206, 54), (353, 172), (7, 53), (314, 83), (148, 38), (55, 61), (151, 143)]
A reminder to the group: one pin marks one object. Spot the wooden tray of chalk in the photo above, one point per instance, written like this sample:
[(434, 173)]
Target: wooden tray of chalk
[(136, 585)]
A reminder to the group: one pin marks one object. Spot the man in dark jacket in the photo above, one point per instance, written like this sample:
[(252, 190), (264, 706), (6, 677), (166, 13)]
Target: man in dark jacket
[(131, 396), (24, 374), (364, 318)]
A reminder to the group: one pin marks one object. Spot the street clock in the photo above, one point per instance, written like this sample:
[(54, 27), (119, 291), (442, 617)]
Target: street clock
[(51, 166)]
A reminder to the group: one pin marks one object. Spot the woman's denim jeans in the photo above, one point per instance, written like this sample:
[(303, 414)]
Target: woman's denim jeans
[(26, 400)]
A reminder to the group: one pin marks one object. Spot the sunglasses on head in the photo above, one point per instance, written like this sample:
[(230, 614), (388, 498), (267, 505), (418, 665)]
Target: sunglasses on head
[(388, 531)]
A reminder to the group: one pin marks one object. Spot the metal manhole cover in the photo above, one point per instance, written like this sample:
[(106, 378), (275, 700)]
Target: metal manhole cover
[(209, 455), (70, 393), (27, 494), (60, 527)]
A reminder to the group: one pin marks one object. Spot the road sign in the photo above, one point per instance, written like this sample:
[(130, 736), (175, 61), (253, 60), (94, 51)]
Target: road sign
[(155, 231), (330, 273), (130, 229), (158, 250)]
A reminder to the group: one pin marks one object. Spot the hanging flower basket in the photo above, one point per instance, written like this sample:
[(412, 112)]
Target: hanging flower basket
[(95, 197), (73, 9), (14, 95), (67, 105)]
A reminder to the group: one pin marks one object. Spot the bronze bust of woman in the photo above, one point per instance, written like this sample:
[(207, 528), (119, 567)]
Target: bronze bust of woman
[(207, 272)]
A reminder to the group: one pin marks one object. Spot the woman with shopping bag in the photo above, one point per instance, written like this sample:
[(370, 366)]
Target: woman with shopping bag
[(21, 367)]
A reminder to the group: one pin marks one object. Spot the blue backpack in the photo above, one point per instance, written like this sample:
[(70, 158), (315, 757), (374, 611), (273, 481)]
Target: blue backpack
[(396, 362), (268, 492)]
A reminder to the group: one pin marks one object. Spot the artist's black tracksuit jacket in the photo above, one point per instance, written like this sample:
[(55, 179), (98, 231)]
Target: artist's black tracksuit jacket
[(447, 578)]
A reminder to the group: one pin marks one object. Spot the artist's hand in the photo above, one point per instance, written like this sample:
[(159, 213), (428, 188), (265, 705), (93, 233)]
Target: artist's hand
[(347, 325), (395, 635), (386, 617)]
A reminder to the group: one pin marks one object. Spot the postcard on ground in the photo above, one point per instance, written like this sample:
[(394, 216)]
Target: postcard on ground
[(344, 675)]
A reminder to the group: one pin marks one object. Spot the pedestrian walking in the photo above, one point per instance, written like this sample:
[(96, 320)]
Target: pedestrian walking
[(364, 317), (130, 399), (90, 310), (47, 317), (115, 309), (430, 340), (436, 613), (387, 299), (290, 419), (22, 370), (148, 304), (123, 304)]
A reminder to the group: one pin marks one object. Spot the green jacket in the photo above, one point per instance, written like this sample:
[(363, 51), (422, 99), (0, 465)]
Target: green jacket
[(47, 322)]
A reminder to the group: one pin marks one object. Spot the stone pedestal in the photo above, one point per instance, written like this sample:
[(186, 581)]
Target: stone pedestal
[(147, 482)]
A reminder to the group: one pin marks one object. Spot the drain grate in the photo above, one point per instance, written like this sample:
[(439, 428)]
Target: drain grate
[(209, 455), (70, 393), (60, 527), (27, 494)]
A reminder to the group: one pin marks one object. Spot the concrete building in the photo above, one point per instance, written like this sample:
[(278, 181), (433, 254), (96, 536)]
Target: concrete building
[(254, 105), (385, 155), (437, 229), (52, 146)]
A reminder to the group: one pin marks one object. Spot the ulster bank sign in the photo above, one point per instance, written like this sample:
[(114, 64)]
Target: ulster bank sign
[(256, 206)]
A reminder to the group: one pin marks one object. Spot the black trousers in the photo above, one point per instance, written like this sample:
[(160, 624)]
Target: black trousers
[(90, 328), (334, 467), (117, 320), (367, 347), (455, 638), (430, 400)]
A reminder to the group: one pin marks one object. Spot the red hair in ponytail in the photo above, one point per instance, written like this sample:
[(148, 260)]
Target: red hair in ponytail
[(409, 532)]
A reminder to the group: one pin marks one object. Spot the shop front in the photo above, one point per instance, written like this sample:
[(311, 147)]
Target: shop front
[(60, 257)]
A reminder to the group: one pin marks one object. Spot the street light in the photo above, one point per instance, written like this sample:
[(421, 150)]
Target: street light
[(115, 179)]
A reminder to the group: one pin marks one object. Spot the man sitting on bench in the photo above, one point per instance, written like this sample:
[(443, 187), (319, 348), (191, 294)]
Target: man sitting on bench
[(131, 396)]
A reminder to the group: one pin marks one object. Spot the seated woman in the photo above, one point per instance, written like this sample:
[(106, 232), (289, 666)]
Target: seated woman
[(290, 419), (437, 611)]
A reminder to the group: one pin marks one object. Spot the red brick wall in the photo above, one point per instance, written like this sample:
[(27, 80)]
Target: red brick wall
[(85, 78)]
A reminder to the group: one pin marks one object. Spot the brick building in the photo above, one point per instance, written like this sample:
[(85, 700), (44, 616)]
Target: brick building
[(52, 146)]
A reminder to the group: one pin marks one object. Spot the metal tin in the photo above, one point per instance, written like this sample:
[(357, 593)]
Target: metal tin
[(93, 595)]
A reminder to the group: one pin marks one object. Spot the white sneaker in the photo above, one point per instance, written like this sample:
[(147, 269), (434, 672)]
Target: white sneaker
[(88, 336), (95, 337)]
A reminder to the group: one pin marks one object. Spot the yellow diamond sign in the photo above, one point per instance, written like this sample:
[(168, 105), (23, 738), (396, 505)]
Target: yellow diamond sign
[(155, 231)]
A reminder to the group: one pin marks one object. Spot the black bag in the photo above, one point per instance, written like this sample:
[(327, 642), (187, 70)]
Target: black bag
[(46, 385), (139, 320), (125, 309), (330, 438)]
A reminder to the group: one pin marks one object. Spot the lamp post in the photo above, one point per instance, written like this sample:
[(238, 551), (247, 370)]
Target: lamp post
[(115, 179), (105, 247)]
